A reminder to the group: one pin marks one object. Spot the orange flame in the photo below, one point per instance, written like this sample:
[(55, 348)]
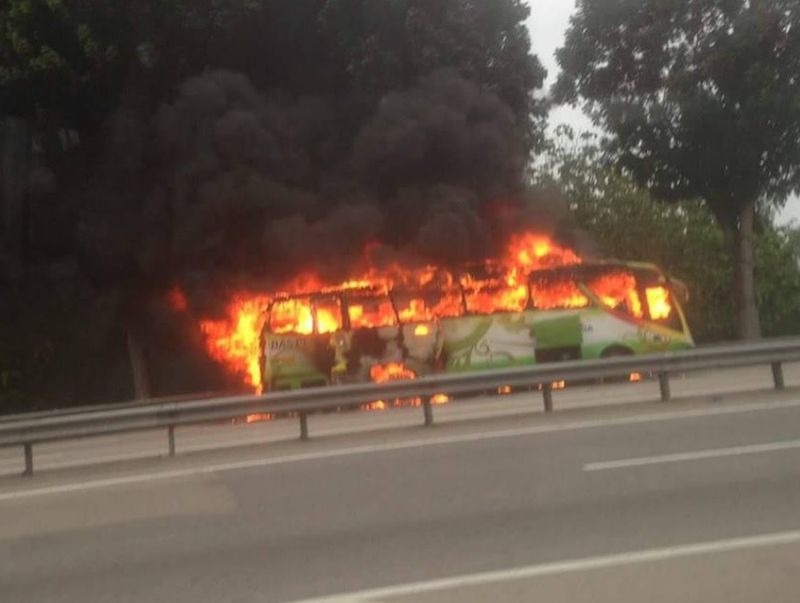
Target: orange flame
[(419, 295), (260, 418), (618, 288), (235, 342), (381, 373), (658, 301), (176, 299), (530, 251)]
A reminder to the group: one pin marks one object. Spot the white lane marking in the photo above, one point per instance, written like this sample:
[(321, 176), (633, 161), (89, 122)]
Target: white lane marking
[(392, 446), (207, 438), (152, 452), (566, 567), (697, 455)]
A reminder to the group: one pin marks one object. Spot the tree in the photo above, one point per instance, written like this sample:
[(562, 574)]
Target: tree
[(67, 68), (57, 62), (623, 220), (219, 144), (389, 45), (701, 99)]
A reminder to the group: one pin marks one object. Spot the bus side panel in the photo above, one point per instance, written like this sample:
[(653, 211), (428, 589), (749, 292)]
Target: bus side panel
[(558, 335), (422, 346), (366, 348), (524, 338), (294, 361), (603, 330), (485, 342), (416, 346)]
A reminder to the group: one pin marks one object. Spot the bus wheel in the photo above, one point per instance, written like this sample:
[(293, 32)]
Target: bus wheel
[(616, 351)]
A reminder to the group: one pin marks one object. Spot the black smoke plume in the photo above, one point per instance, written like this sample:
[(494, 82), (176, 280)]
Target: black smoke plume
[(251, 188)]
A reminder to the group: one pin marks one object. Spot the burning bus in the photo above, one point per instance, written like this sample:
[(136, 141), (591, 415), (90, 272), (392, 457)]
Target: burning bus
[(350, 335), (482, 320), (586, 310), (538, 303)]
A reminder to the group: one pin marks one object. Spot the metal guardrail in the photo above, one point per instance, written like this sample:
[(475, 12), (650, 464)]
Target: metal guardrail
[(75, 410), (29, 430)]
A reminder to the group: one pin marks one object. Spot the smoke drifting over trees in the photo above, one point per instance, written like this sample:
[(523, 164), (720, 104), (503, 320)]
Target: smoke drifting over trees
[(254, 188), (228, 146)]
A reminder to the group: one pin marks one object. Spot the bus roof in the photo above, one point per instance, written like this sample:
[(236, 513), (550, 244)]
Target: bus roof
[(359, 291), (589, 265)]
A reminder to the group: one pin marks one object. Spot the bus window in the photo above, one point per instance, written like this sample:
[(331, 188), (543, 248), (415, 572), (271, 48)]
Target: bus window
[(291, 316), (617, 289), (428, 304), (556, 291), (369, 312), (328, 314), (658, 302), (487, 297)]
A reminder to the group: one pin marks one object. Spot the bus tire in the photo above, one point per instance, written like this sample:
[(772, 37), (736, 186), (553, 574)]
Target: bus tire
[(616, 351)]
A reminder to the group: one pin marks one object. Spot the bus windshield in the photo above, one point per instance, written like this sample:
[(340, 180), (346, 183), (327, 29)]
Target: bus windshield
[(553, 290), (617, 289), (428, 304), (639, 292), (306, 315), (489, 289)]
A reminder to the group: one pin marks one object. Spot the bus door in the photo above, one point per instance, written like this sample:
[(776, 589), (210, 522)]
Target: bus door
[(559, 304), (494, 331), (298, 341), (373, 335), (667, 323), (420, 331), (639, 313)]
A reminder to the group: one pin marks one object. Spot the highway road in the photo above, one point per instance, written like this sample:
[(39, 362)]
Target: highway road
[(153, 444), (661, 502)]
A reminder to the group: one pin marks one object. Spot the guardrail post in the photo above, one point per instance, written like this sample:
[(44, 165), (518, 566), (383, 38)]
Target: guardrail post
[(777, 375), (171, 439), (28, 460), (428, 410), (663, 384), (547, 394), (303, 426)]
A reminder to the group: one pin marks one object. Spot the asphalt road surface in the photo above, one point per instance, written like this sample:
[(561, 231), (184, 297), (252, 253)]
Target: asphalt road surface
[(645, 502), (153, 444)]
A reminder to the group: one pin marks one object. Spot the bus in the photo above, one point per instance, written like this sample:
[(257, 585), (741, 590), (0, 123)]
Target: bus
[(346, 336), (480, 319), (581, 311)]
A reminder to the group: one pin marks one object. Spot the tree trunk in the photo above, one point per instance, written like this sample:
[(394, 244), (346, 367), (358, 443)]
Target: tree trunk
[(749, 326), (139, 367), (15, 139)]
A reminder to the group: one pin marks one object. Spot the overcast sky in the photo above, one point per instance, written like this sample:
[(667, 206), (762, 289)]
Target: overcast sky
[(548, 22)]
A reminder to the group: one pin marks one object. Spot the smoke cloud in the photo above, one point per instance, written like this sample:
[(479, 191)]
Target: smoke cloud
[(255, 188)]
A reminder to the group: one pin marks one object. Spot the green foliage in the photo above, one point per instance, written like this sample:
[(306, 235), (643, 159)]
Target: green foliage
[(57, 60), (52, 348), (66, 64), (778, 279), (701, 97), (702, 101), (217, 143), (627, 223), (389, 44)]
